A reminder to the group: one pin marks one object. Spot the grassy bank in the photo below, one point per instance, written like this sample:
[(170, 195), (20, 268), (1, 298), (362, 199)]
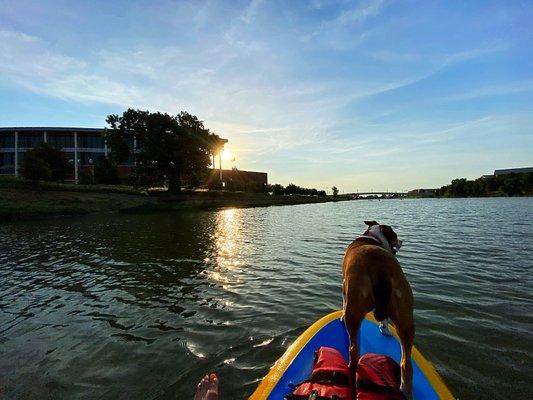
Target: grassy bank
[(20, 200), (220, 199)]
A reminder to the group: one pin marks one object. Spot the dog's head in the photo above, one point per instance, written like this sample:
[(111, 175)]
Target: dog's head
[(376, 229)]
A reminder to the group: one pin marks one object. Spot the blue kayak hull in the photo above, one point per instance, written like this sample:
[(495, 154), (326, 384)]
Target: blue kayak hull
[(296, 364)]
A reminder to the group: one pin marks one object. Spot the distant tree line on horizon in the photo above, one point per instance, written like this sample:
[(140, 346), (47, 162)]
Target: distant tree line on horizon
[(292, 189), (520, 184)]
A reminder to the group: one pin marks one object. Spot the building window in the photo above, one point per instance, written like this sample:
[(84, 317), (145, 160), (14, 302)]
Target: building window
[(91, 141), (21, 155), (29, 141), (7, 141), (61, 141), (7, 159)]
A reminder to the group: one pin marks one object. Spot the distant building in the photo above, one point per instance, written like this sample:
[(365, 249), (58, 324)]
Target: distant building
[(513, 171), (82, 146), (240, 178), (421, 193)]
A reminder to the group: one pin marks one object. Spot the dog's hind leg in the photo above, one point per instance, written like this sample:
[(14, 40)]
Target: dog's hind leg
[(406, 335), (402, 317), (355, 309)]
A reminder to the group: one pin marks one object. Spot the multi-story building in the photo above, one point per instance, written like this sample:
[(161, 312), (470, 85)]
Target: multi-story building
[(513, 171), (82, 146)]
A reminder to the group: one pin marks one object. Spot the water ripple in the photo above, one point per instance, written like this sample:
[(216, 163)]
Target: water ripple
[(143, 306)]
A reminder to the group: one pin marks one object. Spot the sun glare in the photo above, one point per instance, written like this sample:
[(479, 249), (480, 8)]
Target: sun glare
[(226, 155)]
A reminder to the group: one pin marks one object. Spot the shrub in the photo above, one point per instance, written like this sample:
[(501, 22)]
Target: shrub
[(86, 177), (34, 168), (55, 159), (105, 172)]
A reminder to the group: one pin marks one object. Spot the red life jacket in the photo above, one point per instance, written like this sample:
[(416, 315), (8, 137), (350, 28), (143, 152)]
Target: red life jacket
[(378, 378), (330, 379)]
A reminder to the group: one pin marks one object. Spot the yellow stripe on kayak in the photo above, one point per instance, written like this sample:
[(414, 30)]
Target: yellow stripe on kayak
[(278, 369)]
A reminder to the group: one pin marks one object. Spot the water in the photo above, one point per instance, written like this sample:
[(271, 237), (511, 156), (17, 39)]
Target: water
[(140, 307)]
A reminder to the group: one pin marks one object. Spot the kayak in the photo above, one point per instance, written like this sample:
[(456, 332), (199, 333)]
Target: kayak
[(296, 363)]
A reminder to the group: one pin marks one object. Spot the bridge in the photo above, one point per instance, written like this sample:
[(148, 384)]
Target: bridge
[(358, 194)]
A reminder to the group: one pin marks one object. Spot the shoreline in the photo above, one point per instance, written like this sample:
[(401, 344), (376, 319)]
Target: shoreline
[(21, 200)]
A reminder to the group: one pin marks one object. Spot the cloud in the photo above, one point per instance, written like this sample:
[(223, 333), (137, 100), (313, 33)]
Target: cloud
[(361, 13), (250, 12), (492, 91), (325, 83)]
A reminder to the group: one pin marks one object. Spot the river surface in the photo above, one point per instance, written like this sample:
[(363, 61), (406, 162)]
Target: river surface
[(140, 307)]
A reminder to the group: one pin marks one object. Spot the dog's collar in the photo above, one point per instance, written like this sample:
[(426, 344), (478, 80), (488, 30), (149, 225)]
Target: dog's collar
[(375, 234)]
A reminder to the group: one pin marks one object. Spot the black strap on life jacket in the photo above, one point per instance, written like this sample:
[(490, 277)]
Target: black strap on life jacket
[(312, 396), (330, 377)]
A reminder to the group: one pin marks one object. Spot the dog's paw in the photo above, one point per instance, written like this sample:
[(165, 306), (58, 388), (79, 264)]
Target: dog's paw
[(405, 392), (384, 329)]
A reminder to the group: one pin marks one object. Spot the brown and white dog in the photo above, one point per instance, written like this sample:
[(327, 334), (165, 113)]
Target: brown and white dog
[(374, 280)]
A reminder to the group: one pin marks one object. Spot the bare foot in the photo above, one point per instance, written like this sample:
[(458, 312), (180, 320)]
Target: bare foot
[(207, 389)]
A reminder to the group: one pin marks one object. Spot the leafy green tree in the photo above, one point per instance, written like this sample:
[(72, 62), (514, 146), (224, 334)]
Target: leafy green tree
[(35, 168), (170, 147)]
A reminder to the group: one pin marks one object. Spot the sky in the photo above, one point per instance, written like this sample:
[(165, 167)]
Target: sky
[(364, 95)]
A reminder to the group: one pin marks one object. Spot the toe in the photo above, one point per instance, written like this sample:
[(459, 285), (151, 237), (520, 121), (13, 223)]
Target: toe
[(201, 388)]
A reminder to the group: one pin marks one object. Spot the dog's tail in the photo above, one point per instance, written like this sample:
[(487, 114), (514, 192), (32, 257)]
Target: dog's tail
[(382, 292)]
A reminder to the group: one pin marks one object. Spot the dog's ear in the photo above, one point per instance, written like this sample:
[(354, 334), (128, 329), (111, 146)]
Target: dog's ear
[(389, 233), (370, 223)]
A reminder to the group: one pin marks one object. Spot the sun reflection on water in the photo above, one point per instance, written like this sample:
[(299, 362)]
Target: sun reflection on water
[(227, 254)]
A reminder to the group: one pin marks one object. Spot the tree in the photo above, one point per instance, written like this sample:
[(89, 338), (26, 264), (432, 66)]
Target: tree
[(55, 159), (511, 185), (170, 147), (105, 172), (458, 187), (277, 189), (35, 168), (292, 189), (335, 191)]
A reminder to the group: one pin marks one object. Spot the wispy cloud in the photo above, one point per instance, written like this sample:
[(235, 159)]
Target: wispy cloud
[(361, 12), (492, 91), (250, 12)]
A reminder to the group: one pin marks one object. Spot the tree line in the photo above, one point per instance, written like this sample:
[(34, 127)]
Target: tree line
[(520, 184), (292, 189)]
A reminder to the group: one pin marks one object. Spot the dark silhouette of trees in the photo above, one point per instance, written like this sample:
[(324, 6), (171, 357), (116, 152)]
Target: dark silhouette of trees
[(53, 161), (498, 185), (292, 189), (170, 148), (35, 168), (105, 172)]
